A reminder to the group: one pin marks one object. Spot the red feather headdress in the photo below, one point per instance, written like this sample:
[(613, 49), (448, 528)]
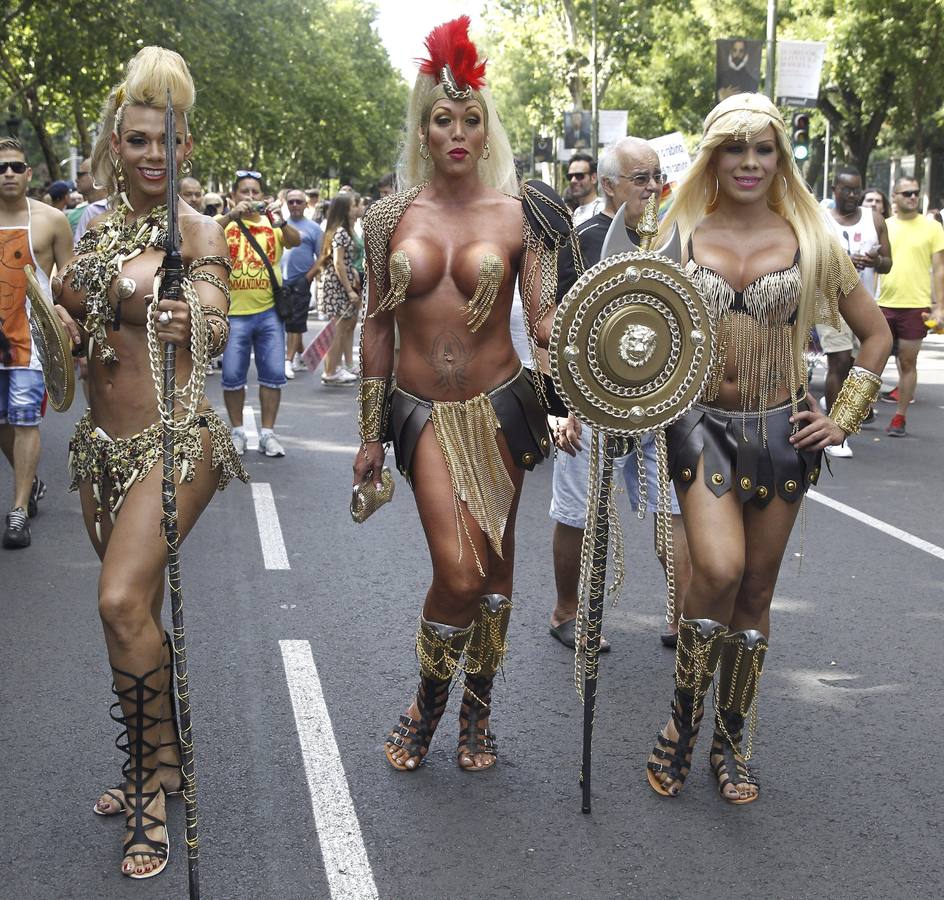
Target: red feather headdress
[(453, 58)]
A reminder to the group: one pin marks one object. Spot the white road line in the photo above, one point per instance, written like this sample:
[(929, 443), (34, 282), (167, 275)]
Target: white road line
[(249, 426), (270, 531), (339, 835), (866, 519)]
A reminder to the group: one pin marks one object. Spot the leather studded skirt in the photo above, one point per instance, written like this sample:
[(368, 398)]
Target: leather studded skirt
[(737, 457), (519, 412)]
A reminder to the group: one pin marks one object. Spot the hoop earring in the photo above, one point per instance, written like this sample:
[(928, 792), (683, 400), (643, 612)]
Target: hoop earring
[(424, 150), (783, 196), (486, 151), (714, 199), (186, 167)]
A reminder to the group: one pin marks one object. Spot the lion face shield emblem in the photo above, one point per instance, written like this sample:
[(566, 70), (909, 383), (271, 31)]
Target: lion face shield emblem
[(637, 344)]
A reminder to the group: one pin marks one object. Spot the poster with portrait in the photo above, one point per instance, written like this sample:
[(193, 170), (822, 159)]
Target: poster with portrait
[(577, 129), (738, 66)]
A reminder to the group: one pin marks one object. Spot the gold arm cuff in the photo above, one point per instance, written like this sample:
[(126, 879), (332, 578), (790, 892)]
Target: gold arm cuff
[(216, 281), (372, 409), (856, 396), (217, 326)]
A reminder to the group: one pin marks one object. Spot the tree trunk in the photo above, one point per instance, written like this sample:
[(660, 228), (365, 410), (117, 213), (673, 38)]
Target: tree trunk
[(81, 127), (34, 114)]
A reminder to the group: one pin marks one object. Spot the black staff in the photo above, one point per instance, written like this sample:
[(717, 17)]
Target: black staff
[(171, 287)]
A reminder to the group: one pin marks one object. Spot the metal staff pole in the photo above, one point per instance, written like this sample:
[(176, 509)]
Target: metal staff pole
[(596, 592), (171, 278)]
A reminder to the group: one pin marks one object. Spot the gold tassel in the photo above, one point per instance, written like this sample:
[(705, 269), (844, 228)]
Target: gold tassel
[(491, 274), (466, 434), (400, 275)]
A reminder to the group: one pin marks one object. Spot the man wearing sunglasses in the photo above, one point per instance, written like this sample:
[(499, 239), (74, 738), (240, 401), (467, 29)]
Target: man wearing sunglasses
[(905, 295), (31, 234), (630, 174), (582, 184)]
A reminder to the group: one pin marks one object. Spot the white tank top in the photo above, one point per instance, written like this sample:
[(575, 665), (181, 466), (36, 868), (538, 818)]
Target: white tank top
[(858, 238)]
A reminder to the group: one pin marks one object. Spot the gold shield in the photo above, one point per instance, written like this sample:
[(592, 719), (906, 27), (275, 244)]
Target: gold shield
[(632, 344), (52, 345)]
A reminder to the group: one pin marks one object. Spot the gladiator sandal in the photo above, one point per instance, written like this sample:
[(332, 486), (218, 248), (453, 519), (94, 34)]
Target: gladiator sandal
[(742, 661), (138, 692), (117, 794), (439, 648), (696, 659), (484, 655)]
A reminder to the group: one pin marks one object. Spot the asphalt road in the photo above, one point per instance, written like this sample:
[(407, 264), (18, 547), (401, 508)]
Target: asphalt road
[(847, 748)]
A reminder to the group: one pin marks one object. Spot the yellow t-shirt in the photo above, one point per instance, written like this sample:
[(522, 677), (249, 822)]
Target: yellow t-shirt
[(249, 281), (913, 242)]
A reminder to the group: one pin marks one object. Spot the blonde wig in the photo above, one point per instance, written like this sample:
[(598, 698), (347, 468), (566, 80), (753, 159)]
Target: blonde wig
[(150, 74), (497, 170), (741, 117)]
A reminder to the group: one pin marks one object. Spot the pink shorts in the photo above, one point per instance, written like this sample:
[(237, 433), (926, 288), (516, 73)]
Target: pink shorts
[(906, 324)]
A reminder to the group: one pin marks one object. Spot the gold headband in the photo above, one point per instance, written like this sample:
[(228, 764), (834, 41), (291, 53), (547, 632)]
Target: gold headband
[(744, 107)]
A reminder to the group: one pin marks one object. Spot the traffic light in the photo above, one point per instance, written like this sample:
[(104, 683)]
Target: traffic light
[(801, 136)]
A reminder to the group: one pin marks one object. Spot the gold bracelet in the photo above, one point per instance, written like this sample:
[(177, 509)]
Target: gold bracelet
[(856, 396), (212, 316), (372, 409)]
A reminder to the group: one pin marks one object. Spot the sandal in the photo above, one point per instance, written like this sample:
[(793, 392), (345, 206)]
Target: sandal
[(414, 734), (474, 740), (725, 757), (696, 659), (739, 671), (140, 820), (117, 793)]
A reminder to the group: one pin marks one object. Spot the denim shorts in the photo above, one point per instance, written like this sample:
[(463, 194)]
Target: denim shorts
[(263, 334), (21, 396), (569, 491)]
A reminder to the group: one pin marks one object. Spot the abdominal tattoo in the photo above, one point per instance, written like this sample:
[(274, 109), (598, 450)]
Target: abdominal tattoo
[(448, 358)]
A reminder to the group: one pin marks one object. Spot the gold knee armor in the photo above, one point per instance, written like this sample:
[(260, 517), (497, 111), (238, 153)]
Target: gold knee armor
[(486, 649), (439, 648), (700, 642)]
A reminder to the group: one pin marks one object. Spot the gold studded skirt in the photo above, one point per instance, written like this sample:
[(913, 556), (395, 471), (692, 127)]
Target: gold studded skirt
[(737, 457), (466, 431)]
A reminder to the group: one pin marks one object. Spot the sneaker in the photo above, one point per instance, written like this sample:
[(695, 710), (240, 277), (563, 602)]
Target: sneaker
[(340, 377), (289, 371), (269, 445), (841, 451), (353, 370), (298, 364), (239, 440), (892, 396), (896, 428), (210, 370), (36, 494), (17, 533)]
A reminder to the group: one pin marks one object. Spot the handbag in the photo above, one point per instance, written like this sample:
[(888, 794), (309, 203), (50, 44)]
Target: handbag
[(282, 297), (366, 499)]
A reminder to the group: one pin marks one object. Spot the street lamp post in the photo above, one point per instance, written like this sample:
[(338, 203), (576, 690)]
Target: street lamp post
[(771, 48), (594, 111)]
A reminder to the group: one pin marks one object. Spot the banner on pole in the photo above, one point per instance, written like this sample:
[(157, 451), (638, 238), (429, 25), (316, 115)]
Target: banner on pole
[(543, 149), (737, 68), (799, 66), (577, 129), (613, 124), (673, 156)]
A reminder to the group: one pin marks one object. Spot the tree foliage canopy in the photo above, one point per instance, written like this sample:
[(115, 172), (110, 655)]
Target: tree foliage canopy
[(292, 87)]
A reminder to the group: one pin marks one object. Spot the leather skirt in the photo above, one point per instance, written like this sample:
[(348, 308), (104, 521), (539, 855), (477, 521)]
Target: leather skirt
[(736, 456), (521, 416)]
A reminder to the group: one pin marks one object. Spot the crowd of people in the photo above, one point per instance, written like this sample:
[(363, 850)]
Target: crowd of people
[(432, 271)]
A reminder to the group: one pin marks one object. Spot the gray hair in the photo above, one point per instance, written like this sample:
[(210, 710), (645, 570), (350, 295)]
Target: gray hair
[(608, 166)]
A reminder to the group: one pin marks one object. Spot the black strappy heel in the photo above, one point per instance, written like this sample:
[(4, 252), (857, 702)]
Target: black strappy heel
[(725, 757), (677, 755), (473, 739), (139, 725), (118, 793)]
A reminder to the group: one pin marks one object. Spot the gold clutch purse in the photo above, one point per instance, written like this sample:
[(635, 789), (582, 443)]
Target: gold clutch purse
[(366, 499)]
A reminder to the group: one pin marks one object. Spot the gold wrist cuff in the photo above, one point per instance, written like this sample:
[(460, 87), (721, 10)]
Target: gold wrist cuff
[(372, 409), (856, 396), (217, 325)]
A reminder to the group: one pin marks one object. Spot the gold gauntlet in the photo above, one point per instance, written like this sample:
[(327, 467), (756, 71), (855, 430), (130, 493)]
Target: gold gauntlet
[(217, 326), (856, 396), (372, 409)]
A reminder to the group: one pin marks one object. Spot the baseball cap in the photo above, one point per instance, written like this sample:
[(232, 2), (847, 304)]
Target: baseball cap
[(59, 189)]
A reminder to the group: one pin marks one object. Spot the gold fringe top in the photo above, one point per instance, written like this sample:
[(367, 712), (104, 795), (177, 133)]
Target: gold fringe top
[(756, 327)]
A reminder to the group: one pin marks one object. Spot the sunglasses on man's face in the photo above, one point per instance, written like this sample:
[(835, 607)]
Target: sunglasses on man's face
[(908, 193), (18, 167), (578, 175)]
